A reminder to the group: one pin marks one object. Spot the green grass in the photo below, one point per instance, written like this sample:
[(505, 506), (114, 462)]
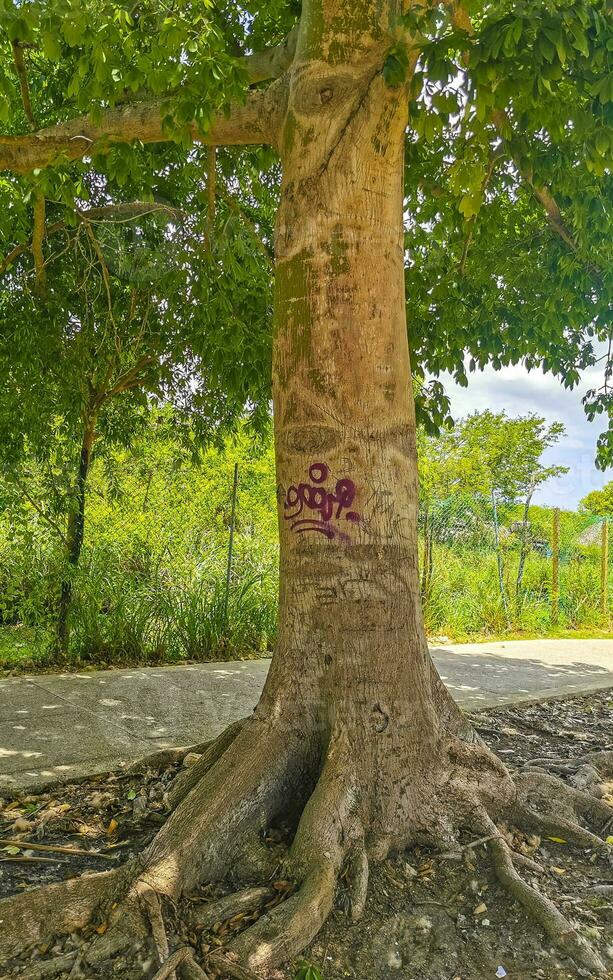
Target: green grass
[(553, 633), (22, 648)]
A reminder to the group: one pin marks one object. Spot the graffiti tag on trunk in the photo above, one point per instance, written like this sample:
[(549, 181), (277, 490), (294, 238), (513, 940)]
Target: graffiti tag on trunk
[(313, 507)]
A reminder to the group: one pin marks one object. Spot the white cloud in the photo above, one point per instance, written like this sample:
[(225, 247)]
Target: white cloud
[(517, 392)]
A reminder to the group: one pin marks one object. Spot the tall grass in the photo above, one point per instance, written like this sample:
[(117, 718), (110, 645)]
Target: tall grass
[(119, 617), (464, 599)]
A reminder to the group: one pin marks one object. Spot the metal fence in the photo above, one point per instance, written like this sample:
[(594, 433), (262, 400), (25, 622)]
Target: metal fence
[(497, 568)]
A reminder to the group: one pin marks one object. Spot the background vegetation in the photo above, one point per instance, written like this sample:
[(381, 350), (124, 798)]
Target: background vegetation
[(150, 585)]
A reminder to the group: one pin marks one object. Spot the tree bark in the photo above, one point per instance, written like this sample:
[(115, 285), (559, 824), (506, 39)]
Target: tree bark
[(74, 540), (253, 122), (352, 653)]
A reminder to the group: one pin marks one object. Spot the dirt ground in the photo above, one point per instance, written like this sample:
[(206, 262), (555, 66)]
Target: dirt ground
[(430, 916)]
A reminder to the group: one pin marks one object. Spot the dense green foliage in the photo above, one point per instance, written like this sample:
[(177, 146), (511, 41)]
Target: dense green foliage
[(509, 192), (600, 502), (507, 181), (151, 582)]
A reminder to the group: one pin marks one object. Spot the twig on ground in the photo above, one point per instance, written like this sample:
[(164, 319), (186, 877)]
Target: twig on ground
[(28, 846), (451, 855), (22, 859)]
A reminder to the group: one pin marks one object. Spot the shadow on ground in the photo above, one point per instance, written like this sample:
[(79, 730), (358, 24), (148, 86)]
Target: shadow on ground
[(58, 726)]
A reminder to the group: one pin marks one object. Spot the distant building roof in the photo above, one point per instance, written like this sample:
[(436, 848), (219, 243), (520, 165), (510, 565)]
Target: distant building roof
[(592, 534)]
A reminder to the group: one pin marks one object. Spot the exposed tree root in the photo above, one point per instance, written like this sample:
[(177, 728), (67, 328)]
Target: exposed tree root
[(546, 804), (186, 780), (237, 903), (163, 758), (543, 910), (57, 909), (357, 881), (255, 773), (227, 966), (190, 970), (169, 967)]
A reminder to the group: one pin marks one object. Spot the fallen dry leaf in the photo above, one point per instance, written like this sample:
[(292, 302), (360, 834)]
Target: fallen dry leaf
[(21, 826)]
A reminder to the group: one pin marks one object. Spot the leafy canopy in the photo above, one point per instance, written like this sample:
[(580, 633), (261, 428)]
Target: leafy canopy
[(488, 453), (508, 183), (600, 502)]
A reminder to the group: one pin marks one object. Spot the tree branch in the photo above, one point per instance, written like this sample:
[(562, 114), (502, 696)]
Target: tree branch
[(542, 193), (38, 230), (130, 210), (116, 213), (274, 61), (103, 266), (20, 68), (129, 379), (38, 237), (253, 122)]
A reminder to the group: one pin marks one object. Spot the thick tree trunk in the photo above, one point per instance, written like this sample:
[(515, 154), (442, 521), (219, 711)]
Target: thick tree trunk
[(74, 540), (352, 653)]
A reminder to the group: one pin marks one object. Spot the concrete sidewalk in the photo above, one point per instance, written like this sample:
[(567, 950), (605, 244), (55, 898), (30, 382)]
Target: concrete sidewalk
[(58, 726)]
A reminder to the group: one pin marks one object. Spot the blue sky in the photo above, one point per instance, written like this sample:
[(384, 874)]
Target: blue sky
[(519, 392)]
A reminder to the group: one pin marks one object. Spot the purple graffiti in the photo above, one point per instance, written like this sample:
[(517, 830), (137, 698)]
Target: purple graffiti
[(328, 504)]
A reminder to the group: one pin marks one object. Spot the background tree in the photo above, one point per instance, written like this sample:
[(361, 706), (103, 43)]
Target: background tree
[(131, 314), (501, 458), (354, 726), (600, 502)]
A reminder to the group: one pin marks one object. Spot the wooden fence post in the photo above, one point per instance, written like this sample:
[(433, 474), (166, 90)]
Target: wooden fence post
[(604, 569), (230, 544), (555, 566)]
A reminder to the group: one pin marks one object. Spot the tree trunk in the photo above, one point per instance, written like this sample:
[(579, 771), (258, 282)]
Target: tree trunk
[(352, 648), (74, 540)]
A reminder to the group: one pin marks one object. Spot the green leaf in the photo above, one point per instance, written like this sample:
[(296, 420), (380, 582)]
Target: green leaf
[(52, 46), (306, 971), (395, 66), (73, 31), (470, 204)]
